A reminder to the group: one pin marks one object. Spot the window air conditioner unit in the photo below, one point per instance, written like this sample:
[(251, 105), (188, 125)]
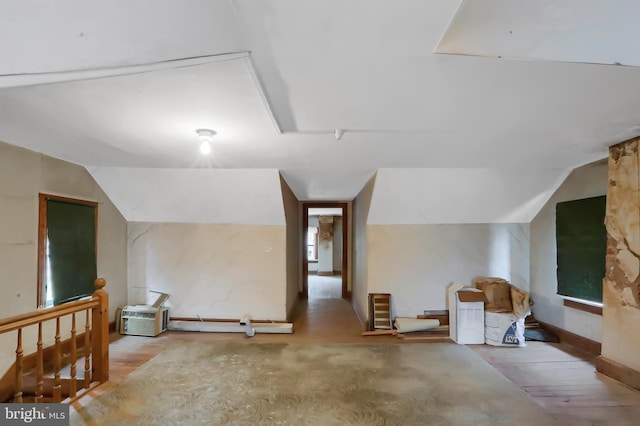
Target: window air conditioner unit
[(145, 320)]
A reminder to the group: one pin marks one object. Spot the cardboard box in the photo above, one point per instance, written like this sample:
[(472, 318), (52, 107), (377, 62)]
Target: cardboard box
[(466, 314), (497, 292)]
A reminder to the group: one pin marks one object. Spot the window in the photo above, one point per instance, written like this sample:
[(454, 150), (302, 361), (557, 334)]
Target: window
[(581, 239), (312, 243), (66, 249)]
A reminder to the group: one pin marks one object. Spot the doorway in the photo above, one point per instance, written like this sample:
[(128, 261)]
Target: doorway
[(325, 250)]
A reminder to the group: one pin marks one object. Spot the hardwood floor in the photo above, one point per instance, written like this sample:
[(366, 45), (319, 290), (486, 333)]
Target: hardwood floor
[(325, 287), (560, 378), (563, 380)]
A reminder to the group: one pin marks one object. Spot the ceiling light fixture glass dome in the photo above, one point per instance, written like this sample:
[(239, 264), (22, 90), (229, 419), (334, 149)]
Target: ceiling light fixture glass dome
[(205, 136), (205, 148)]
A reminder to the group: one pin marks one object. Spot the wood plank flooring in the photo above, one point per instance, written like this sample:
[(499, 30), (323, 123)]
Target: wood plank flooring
[(563, 380), (560, 378), (325, 287)]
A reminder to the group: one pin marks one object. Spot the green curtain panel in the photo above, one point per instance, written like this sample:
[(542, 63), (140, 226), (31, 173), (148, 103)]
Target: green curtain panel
[(582, 244), (72, 249)]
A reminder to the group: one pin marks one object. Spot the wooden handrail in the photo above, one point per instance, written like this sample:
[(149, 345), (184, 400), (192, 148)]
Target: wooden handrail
[(96, 347), (41, 315)]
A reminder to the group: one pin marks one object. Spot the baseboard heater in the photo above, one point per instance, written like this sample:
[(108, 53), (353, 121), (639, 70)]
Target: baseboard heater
[(230, 327)]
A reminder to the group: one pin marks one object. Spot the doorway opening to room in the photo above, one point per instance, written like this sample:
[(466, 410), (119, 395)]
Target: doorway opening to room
[(325, 266)]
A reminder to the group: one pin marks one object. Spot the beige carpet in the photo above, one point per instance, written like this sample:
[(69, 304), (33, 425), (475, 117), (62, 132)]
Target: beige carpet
[(215, 383)]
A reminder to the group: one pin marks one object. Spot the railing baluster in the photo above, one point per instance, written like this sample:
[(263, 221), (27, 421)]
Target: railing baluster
[(39, 366), (87, 352), (57, 365), (72, 383), (17, 396), (96, 348)]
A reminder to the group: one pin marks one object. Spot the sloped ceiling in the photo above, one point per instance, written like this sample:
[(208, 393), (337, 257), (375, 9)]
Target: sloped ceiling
[(586, 31), (123, 85), (211, 195), (509, 195)]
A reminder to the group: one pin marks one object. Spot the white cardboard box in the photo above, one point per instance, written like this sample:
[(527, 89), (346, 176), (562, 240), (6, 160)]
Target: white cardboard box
[(466, 315)]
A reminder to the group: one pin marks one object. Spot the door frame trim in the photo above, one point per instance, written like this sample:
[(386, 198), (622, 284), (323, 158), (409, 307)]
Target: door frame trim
[(344, 205)]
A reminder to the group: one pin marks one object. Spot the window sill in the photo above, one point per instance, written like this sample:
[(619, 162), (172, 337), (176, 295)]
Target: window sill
[(581, 306)]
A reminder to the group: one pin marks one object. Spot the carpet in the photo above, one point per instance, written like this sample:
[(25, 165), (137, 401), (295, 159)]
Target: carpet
[(216, 383)]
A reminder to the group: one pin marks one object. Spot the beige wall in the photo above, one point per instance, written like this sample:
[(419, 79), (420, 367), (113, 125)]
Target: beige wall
[(337, 243), (326, 232), (349, 230), (294, 245), (210, 270), (416, 263), (359, 286), (584, 182), (24, 174)]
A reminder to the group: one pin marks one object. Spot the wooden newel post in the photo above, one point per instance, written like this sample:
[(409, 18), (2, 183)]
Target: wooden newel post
[(100, 334)]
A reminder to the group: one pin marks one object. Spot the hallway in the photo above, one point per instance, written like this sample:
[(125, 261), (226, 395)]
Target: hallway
[(325, 286)]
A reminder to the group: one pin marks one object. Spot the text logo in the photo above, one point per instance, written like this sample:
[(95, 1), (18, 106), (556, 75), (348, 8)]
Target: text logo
[(34, 414)]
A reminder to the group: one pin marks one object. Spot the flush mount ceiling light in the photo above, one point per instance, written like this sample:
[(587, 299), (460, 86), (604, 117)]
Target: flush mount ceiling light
[(206, 137)]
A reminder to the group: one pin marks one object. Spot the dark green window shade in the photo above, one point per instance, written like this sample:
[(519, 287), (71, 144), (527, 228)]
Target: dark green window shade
[(582, 244), (71, 233)]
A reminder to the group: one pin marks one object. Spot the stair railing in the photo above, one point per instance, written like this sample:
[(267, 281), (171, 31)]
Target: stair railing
[(95, 350)]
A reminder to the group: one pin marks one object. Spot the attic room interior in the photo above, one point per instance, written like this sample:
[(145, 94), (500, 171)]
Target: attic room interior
[(445, 136)]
